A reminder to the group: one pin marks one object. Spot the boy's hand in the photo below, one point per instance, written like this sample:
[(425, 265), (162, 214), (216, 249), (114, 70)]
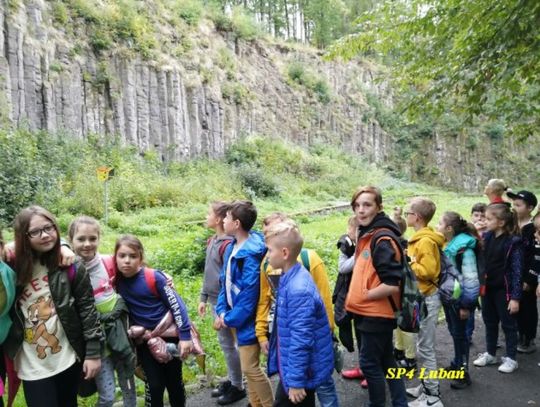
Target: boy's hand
[(201, 309), (464, 313), (67, 257), (185, 348), (513, 307), (264, 347), (297, 395), (217, 323), (91, 368)]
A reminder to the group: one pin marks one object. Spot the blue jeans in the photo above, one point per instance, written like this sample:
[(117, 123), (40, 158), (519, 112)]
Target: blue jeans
[(376, 357), (327, 394), (495, 310), (457, 328)]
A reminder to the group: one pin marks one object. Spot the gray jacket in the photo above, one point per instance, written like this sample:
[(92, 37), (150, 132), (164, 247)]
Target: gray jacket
[(212, 268)]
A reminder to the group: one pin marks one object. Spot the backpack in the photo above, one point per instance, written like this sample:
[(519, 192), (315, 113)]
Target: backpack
[(108, 263), (412, 308), (450, 281), (222, 247)]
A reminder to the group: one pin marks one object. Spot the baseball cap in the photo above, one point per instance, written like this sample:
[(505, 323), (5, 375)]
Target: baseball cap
[(526, 196)]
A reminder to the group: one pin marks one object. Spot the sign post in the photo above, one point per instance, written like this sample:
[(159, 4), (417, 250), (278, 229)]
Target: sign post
[(104, 174)]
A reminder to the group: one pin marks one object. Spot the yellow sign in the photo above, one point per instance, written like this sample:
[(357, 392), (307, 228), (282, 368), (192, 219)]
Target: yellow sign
[(104, 173)]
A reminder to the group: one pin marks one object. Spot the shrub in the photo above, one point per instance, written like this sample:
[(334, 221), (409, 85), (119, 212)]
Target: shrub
[(244, 26), (190, 11)]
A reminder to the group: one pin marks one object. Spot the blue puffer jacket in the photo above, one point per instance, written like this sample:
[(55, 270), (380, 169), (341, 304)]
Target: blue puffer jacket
[(465, 244), (301, 347), (513, 264), (245, 279)]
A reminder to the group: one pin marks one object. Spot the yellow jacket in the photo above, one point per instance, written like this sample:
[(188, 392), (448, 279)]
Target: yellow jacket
[(266, 298), (424, 252)]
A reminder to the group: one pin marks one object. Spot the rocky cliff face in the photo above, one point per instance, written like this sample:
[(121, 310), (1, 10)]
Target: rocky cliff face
[(198, 104)]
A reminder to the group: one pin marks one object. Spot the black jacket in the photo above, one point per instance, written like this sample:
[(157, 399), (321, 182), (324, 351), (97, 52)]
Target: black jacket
[(75, 306)]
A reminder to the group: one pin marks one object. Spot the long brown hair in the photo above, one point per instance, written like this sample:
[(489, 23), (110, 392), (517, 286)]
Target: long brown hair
[(133, 243), (502, 211), (460, 225), (24, 254)]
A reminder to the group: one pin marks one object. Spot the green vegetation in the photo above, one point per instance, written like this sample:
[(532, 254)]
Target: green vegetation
[(299, 74)]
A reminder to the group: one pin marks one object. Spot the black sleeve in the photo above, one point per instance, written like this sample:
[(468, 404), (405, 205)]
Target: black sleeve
[(385, 261)]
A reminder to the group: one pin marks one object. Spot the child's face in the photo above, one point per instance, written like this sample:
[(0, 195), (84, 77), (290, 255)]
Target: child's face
[(411, 217), (443, 228), (86, 241), (492, 223), (212, 220), (478, 217), (128, 260), (365, 208), (275, 254), (230, 225), (521, 208), (41, 234)]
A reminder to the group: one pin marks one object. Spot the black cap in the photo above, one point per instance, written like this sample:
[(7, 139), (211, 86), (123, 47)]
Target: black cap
[(526, 196)]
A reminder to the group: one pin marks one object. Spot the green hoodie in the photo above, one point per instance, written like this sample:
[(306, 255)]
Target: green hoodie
[(7, 296)]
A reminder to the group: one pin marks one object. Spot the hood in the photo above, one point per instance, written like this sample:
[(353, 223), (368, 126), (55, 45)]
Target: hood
[(461, 241), (380, 221), (429, 233), (254, 245)]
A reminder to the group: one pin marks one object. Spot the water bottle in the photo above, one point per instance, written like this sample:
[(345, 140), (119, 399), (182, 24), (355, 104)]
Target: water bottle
[(172, 349)]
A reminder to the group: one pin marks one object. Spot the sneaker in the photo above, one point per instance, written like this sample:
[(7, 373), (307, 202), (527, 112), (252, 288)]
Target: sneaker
[(527, 347), (363, 384), (485, 359), (221, 389), (419, 401), (508, 365), (460, 384), (351, 374), (427, 401), (407, 363), (415, 392), (232, 395)]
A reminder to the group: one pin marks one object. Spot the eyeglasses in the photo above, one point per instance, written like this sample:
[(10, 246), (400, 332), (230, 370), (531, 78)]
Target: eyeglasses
[(409, 213), (49, 229)]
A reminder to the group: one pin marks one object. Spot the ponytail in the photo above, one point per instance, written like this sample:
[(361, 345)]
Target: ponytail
[(502, 211), (460, 225)]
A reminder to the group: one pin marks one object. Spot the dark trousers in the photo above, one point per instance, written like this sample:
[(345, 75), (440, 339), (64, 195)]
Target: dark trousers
[(282, 398), (470, 326), (527, 317), (495, 310), (161, 376), (59, 390), (458, 330), (2, 373), (376, 357)]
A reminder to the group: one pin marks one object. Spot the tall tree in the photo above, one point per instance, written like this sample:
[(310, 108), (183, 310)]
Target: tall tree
[(478, 58)]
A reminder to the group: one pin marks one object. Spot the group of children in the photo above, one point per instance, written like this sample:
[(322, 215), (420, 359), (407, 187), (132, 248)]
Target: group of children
[(68, 313)]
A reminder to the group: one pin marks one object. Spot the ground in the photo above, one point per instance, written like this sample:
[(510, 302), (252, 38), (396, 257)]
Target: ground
[(489, 388)]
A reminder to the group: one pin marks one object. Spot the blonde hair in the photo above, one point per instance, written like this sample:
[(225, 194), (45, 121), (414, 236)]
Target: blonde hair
[(286, 234), (424, 208), (275, 216), (497, 186)]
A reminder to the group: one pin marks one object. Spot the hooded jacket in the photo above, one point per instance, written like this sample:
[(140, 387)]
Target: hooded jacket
[(301, 349), (465, 244), (423, 249), (245, 282)]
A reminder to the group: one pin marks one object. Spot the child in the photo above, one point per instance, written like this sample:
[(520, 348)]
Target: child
[(494, 190), (233, 389), (7, 297), (478, 217), (462, 241), (405, 342), (504, 259), (54, 304), (536, 264), (270, 278), (239, 294), (147, 307), (347, 245), (523, 204), (301, 345), (424, 251), (373, 295), (84, 234)]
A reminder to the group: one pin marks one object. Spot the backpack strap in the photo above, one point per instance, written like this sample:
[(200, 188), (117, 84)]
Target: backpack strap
[(110, 267), (222, 248), (459, 258), (304, 257), (150, 278)]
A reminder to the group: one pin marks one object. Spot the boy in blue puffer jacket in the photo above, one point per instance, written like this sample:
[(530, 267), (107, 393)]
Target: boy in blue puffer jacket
[(301, 342)]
